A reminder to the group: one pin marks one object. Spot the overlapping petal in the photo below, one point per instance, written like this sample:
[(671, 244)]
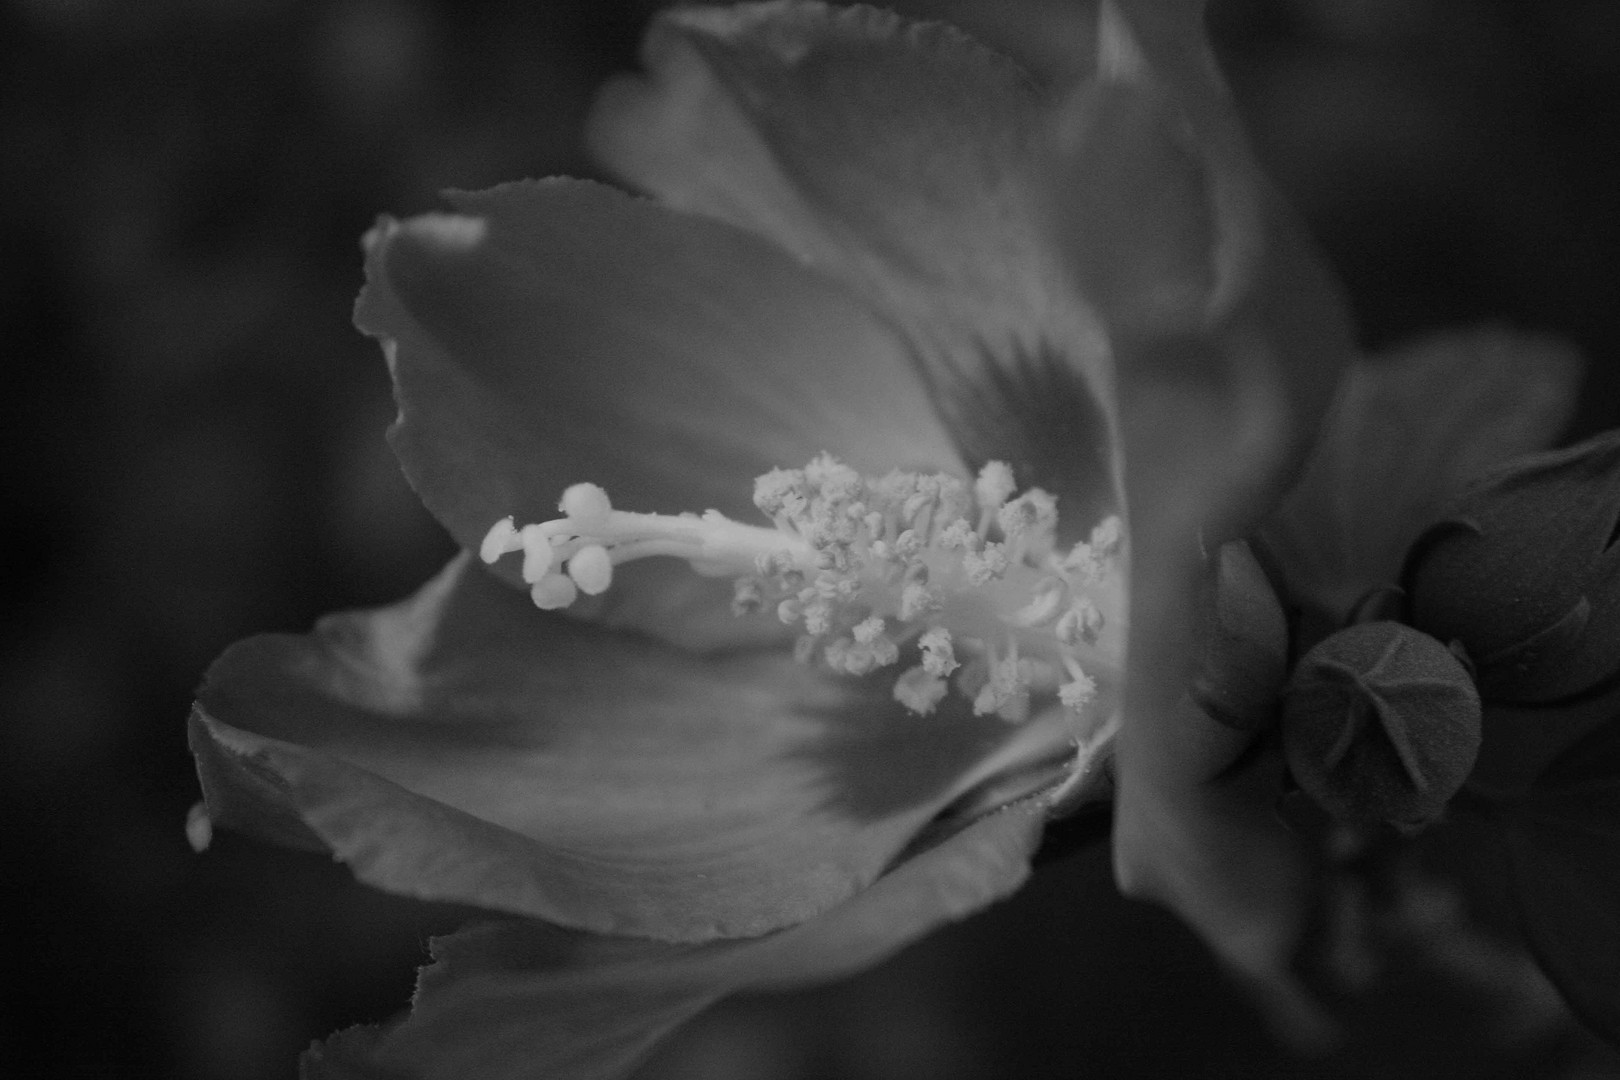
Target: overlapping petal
[(464, 746), (606, 1002), (1122, 234), (1224, 355), (559, 331), (879, 239), (911, 163), (1131, 209)]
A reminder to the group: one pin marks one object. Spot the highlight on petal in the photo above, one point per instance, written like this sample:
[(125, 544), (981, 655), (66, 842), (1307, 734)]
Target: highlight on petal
[(463, 746), (558, 331), (1408, 431), (511, 1000)]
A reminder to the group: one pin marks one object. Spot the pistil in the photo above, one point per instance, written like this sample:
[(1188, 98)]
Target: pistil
[(968, 581)]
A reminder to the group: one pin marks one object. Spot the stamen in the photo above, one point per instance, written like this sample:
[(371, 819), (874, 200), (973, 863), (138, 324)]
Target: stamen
[(966, 580), (502, 537), (747, 596), (1044, 606), (916, 601), (1081, 624), (994, 485), (1081, 688), (553, 592), (938, 655), (868, 630), (920, 691), (591, 568), (537, 552), (586, 505), (1006, 691)]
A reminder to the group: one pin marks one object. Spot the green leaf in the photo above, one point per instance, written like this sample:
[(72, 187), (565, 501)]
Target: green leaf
[(464, 746), (523, 1001), (1564, 850)]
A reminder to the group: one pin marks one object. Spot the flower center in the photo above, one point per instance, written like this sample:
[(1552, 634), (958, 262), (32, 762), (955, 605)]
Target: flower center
[(966, 582)]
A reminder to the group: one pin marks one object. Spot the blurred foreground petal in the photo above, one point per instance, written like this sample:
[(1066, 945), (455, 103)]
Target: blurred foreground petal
[(1221, 858), (1221, 381)]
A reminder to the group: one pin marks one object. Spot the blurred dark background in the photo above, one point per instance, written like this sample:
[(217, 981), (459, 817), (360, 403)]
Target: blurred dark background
[(191, 452)]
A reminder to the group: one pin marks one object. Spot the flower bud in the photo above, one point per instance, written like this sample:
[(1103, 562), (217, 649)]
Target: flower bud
[(1242, 638), (1525, 574), (1381, 723)]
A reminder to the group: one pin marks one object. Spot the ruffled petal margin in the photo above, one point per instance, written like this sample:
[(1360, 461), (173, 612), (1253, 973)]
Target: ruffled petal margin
[(900, 156), (464, 747), (519, 1000)]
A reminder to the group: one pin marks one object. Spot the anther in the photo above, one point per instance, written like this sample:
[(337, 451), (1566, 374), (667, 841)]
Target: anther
[(867, 630), (916, 601), (1043, 607), (502, 537), (919, 691), (1081, 688), (591, 568), (587, 506), (866, 568), (1081, 623), (994, 485), (938, 655), (553, 591), (537, 552), (1006, 690), (747, 596)]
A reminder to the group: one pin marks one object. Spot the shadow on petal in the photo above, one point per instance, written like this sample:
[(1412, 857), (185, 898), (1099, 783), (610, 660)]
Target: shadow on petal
[(1032, 410), (880, 759), (464, 746), (901, 157)]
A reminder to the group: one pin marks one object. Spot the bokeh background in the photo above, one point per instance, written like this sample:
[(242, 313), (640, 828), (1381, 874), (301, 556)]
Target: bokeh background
[(191, 452)]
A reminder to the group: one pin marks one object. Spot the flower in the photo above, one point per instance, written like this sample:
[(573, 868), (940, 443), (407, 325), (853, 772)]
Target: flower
[(872, 239)]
